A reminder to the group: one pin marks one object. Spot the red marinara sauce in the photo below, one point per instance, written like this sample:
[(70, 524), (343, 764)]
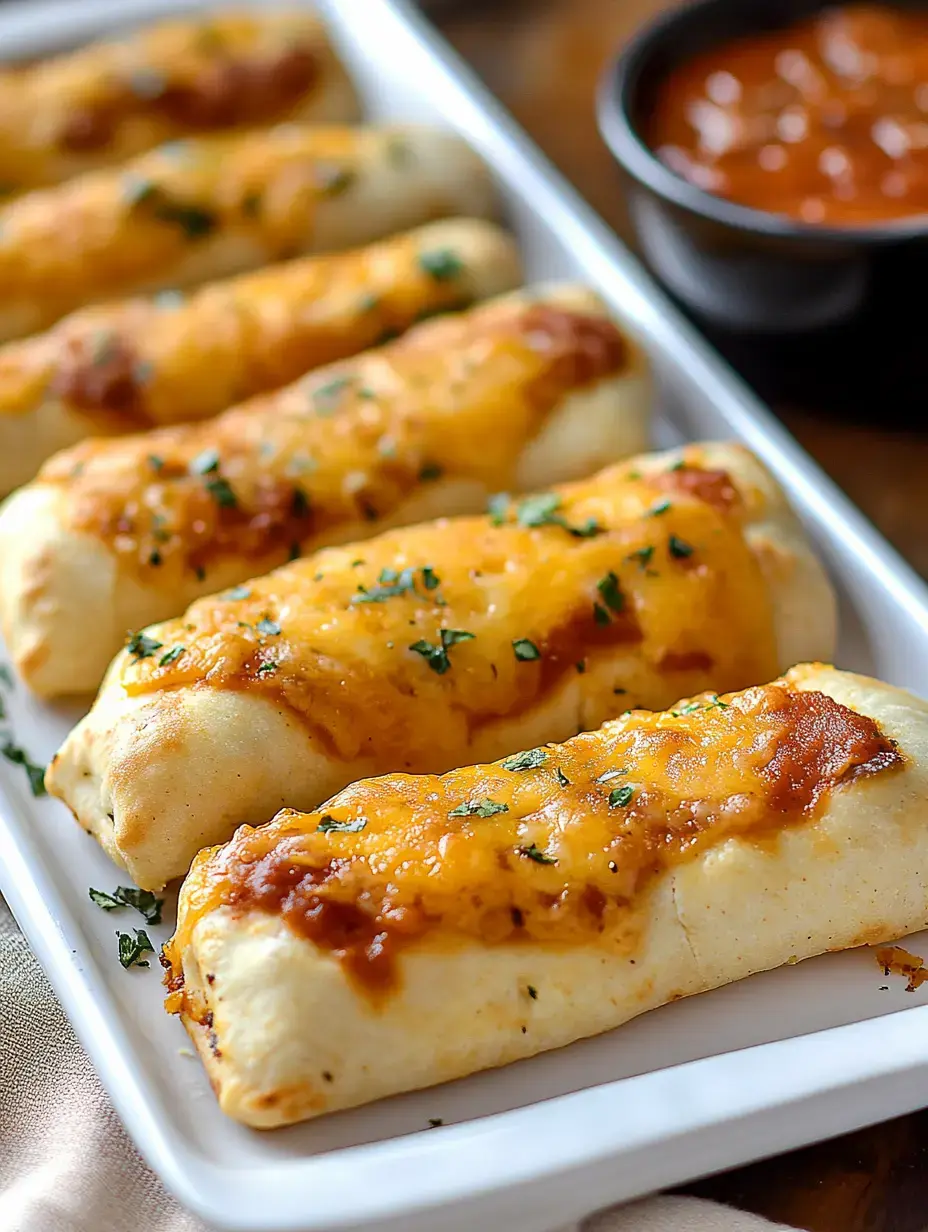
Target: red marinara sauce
[(825, 121)]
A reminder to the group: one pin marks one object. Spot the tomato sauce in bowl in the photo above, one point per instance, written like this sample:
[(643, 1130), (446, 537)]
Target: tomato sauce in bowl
[(824, 122)]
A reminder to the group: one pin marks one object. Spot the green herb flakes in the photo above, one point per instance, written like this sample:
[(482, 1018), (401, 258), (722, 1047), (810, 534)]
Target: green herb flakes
[(562, 778), (531, 759), (155, 462), (678, 549), (205, 463), (268, 626), (265, 669), (141, 646), (498, 508), (391, 584), (642, 555), (611, 592), (619, 797), (525, 650), (326, 397), (600, 615), (222, 492), (131, 949), (34, 773), (328, 825), (171, 656), (656, 510), (142, 901), (441, 264), (534, 853), (437, 656), (479, 808)]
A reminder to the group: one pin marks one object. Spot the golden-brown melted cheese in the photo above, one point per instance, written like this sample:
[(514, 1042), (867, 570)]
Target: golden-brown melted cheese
[(112, 100), (455, 398), (670, 577), (171, 358), (552, 846), (263, 186)]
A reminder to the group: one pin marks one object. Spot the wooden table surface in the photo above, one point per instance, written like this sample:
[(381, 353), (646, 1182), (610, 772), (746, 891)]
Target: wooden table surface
[(543, 58)]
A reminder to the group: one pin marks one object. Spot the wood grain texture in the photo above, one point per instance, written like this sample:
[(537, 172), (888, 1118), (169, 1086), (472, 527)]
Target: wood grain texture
[(863, 419)]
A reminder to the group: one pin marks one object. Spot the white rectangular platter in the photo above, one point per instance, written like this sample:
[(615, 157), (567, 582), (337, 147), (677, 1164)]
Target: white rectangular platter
[(778, 1060)]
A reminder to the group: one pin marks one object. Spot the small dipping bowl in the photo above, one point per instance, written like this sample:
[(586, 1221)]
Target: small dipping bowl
[(739, 267)]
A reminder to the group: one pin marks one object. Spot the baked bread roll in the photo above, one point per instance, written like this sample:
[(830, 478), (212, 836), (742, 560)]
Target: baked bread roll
[(209, 207), (418, 929), (441, 645), (113, 535), (138, 363), (109, 101)]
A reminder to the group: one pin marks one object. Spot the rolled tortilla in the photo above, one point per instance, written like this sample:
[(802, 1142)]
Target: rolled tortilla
[(141, 363), (111, 100), (441, 645), (520, 392), (416, 930), (205, 208)]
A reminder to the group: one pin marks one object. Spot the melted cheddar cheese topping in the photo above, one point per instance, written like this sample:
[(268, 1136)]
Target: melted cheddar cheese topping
[(147, 362), (628, 588), (456, 398), (554, 845), (262, 187), (114, 99)]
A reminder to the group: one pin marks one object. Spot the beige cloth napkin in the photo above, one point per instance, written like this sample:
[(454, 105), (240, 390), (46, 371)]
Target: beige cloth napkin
[(66, 1164)]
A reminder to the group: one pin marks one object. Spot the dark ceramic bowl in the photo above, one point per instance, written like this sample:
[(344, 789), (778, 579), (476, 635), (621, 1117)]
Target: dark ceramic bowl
[(739, 267)]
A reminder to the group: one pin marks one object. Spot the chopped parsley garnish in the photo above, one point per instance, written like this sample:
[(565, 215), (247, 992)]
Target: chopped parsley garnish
[(155, 462), (678, 466), (441, 264), (265, 669), (221, 491), (656, 510), (429, 472), (194, 220), (130, 896), (620, 796), (678, 549), (714, 703), (498, 507), (437, 656), (170, 656), (525, 650), (333, 181), (154, 558), (562, 778), (238, 592), (541, 510), (328, 825), (390, 584), (141, 646), (34, 773), (611, 592), (532, 991), (205, 463), (325, 397), (479, 808), (531, 759), (643, 555), (131, 949), (600, 615), (268, 626), (534, 853)]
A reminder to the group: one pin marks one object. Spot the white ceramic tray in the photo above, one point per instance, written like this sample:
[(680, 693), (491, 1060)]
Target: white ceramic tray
[(772, 1062)]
